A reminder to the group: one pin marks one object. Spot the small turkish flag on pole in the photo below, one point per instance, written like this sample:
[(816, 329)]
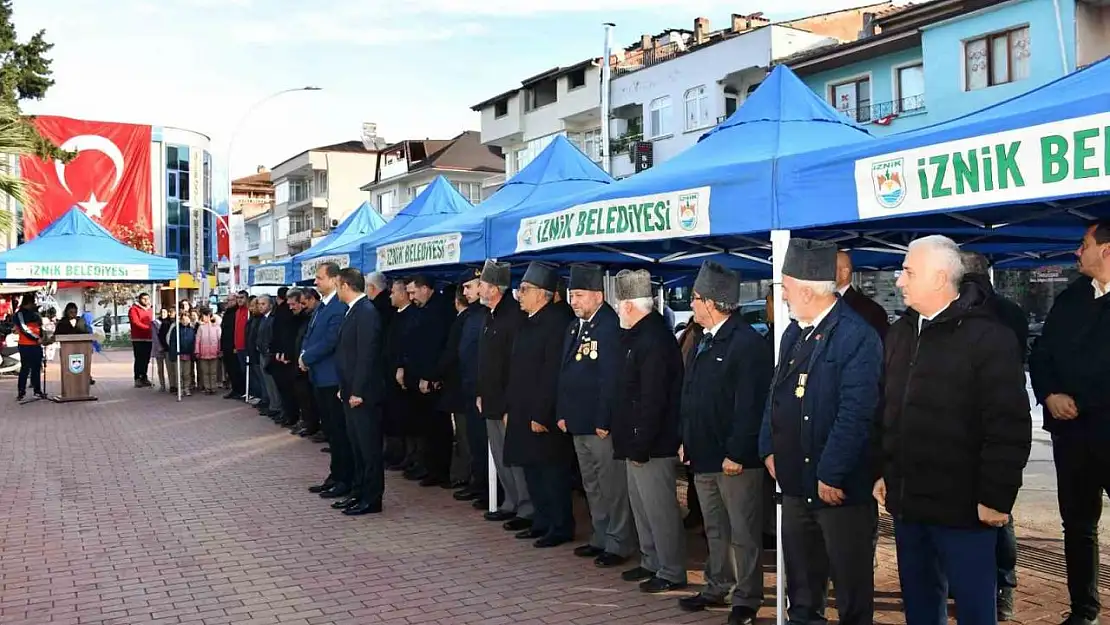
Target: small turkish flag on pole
[(109, 178)]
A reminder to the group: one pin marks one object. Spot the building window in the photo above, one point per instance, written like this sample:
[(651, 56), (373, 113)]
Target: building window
[(576, 79), (659, 117), (910, 94), (541, 94), (853, 99), (414, 192), (385, 202), (283, 228), (589, 142), (320, 183), (520, 160), (472, 191), (281, 192), (500, 108), (997, 59), (697, 108)]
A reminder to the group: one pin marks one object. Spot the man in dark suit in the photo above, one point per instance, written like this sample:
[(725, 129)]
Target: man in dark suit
[(533, 439), (399, 429), (458, 372), (318, 359), (436, 314), (282, 367), (360, 389), (591, 359), (814, 439), (864, 306)]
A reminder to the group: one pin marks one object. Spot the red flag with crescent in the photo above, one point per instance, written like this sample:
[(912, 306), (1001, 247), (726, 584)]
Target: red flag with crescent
[(109, 178)]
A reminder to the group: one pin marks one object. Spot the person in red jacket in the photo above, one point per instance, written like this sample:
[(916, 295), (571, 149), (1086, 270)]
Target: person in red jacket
[(242, 316), (141, 317)]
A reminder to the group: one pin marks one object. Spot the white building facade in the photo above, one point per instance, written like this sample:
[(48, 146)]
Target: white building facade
[(563, 101), (316, 190), (672, 102)]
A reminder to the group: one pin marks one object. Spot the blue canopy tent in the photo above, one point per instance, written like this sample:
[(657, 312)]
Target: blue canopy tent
[(363, 221), (439, 201), (720, 186), (75, 248), (1033, 170), (558, 172)]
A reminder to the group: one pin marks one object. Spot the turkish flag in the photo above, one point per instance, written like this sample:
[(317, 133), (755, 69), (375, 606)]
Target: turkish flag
[(109, 178), (223, 242)]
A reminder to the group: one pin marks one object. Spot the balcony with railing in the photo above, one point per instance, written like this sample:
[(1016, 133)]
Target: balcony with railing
[(867, 112), (651, 56)]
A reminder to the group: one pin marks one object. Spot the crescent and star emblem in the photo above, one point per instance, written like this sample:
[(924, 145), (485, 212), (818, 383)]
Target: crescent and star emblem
[(96, 143)]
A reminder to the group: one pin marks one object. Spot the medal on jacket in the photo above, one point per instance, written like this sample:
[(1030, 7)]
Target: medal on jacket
[(800, 390), (593, 350)]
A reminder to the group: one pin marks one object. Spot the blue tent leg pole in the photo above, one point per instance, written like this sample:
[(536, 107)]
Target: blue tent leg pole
[(780, 239)]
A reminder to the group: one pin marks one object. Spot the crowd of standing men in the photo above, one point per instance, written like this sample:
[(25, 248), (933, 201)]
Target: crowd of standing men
[(928, 418)]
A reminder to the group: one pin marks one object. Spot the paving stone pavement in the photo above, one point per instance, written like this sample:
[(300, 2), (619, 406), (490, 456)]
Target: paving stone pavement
[(139, 509)]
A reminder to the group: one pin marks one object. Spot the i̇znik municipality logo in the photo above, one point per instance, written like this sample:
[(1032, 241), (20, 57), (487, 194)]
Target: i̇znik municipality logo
[(889, 180), (76, 363), (688, 211)]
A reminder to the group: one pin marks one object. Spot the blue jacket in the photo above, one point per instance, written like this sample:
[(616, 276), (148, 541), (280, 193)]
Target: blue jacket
[(587, 380), (837, 411), (188, 340), (318, 350)]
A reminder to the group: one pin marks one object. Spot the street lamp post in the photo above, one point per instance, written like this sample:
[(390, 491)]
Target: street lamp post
[(230, 146)]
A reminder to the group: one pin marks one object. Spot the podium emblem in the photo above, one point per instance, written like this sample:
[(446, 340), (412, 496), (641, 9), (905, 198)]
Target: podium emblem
[(76, 363)]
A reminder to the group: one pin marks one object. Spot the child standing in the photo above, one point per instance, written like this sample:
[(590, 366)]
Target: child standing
[(207, 351), (181, 340)]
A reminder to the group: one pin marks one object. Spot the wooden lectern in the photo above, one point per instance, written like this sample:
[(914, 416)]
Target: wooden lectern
[(76, 357)]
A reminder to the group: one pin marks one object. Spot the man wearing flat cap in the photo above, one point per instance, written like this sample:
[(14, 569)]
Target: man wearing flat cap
[(815, 440), (723, 397), (458, 373), (591, 359), (646, 433), (533, 439), (495, 350)]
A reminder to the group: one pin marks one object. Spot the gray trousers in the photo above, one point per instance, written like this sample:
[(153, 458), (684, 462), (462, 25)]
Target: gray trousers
[(273, 397), (511, 478), (651, 491), (605, 481), (460, 459), (822, 542), (732, 507)]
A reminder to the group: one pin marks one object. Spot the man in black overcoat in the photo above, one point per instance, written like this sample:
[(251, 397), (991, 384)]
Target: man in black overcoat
[(533, 440)]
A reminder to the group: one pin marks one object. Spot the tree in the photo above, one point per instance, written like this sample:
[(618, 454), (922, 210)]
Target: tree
[(119, 294), (25, 74)]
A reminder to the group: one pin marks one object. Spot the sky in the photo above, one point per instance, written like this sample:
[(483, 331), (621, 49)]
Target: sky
[(414, 67)]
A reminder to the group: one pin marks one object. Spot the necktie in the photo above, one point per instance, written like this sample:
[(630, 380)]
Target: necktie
[(703, 345)]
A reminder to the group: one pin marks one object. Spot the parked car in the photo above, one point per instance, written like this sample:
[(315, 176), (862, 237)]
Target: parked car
[(754, 313), (120, 325)]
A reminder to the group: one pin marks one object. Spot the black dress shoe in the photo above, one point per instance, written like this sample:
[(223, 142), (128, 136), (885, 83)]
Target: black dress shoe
[(480, 504), (428, 480), (741, 616), (609, 560), (343, 504), (498, 516), (588, 551), (319, 488), (699, 602), (336, 491), (516, 524), (637, 574), (415, 476), (363, 508), (465, 495), (550, 541), (319, 437), (457, 484), (325, 450), (657, 585), (1079, 620), (530, 534)]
